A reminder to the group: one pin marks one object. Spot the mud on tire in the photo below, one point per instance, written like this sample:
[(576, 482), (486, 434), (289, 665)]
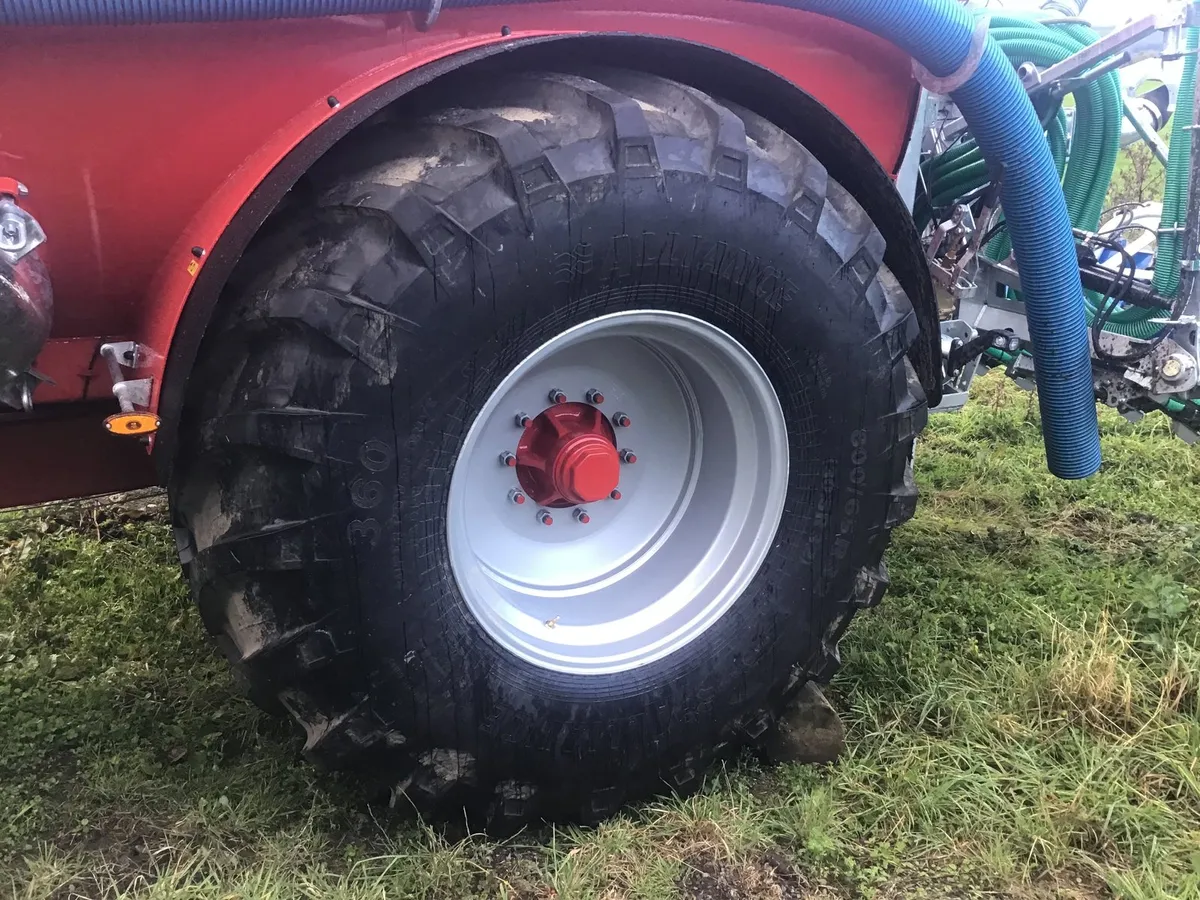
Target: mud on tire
[(363, 330)]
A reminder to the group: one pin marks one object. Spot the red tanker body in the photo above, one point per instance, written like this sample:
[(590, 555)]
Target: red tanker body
[(534, 384), (140, 146)]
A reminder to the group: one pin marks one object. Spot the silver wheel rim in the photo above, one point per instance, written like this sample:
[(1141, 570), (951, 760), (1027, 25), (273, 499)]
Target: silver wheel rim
[(698, 510)]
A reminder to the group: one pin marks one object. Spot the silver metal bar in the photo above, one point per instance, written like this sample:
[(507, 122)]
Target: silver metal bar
[(1071, 85), (119, 356), (1107, 46)]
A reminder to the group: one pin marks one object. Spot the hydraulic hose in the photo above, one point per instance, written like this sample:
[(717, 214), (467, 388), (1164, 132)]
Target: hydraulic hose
[(940, 35)]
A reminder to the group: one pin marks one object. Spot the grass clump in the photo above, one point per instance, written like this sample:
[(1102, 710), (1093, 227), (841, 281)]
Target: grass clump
[(1023, 714)]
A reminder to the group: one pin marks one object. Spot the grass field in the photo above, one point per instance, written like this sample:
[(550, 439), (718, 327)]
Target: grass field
[(1023, 717)]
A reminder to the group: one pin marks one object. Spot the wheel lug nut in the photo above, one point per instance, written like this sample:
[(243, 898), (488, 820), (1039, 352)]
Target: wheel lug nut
[(582, 517), (522, 420), (621, 420), (628, 457), (615, 495), (557, 397), (508, 459), (516, 497), (544, 517), (595, 397)]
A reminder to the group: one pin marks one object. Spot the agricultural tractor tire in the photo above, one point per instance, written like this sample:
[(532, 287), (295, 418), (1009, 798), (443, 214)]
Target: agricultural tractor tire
[(543, 449)]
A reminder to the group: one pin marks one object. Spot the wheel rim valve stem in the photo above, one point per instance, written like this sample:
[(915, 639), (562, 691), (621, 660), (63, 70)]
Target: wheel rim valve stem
[(544, 517), (582, 517)]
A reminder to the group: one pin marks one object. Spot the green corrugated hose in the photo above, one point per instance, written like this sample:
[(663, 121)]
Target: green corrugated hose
[(1087, 168), (1170, 243), (1135, 321), (1098, 112)]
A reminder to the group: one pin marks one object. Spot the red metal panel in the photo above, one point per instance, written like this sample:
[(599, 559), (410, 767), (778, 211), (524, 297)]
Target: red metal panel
[(141, 143), (77, 371), (138, 143), (67, 456)]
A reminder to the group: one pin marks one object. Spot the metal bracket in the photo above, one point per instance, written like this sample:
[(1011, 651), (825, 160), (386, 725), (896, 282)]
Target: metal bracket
[(132, 394), (1169, 369), (20, 233), (1110, 44), (957, 388), (16, 390)]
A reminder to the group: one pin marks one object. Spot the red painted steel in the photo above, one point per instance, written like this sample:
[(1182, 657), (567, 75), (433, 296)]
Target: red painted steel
[(78, 372), (139, 143), (567, 456), (68, 456)]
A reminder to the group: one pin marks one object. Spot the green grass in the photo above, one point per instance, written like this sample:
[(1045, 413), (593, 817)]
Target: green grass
[(1023, 716)]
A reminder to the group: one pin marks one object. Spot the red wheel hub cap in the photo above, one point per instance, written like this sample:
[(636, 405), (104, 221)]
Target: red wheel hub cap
[(568, 456)]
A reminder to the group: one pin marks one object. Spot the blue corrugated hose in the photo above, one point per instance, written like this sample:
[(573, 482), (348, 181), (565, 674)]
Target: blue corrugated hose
[(938, 34)]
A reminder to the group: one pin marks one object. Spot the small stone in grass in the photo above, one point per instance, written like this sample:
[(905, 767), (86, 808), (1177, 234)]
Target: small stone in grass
[(809, 731)]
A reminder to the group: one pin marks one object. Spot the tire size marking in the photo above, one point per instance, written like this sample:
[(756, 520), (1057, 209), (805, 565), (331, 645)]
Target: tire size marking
[(365, 530), (366, 493), (858, 477), (375, 456)]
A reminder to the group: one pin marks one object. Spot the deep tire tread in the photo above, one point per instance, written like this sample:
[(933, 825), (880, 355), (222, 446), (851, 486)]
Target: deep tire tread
[(260, 573)]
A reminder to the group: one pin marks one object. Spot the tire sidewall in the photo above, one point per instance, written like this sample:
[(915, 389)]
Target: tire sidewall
[(435, 675)]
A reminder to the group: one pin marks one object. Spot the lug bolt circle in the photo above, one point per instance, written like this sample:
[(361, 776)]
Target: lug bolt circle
[(544, 517), (621, 420), (582, 517), (522, 420), (557, 397), (595, 397), (516, 497), (615, 495), (508, 459), (628, 457)]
